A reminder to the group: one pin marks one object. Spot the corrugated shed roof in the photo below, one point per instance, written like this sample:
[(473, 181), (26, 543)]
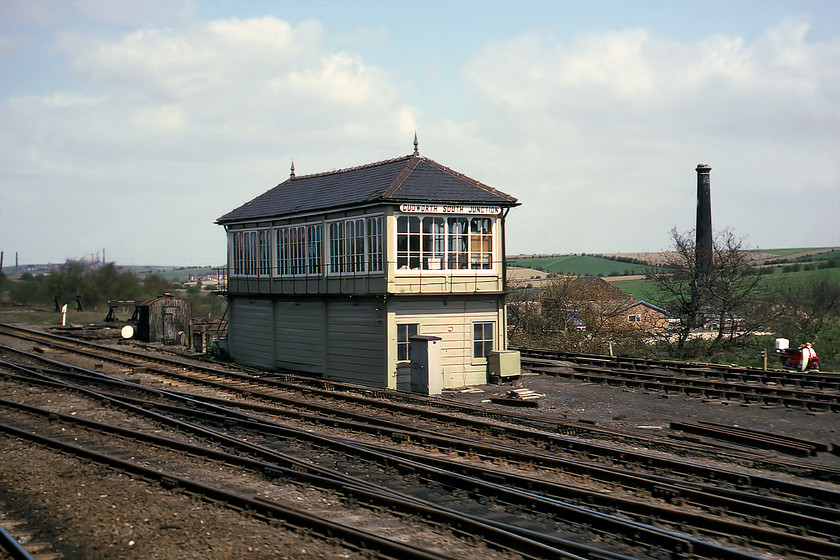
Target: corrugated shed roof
[(406, 179)]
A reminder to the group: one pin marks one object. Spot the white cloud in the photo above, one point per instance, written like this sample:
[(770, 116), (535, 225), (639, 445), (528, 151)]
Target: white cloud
[(162, 128), (609, 127), (211, 113)]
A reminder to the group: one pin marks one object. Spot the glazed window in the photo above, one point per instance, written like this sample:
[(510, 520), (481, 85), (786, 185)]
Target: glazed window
[(634, 318), (375, 245), (481, 243), (356, 246), (458, 243), (434, 243), (251, 252), (408, 243), (298, 250), (482, 340), (404, 334), (314, 249), (437, 243)]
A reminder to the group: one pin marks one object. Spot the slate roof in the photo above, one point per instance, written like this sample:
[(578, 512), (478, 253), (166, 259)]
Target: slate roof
[(410, 179), (646, 304), (600, 287)]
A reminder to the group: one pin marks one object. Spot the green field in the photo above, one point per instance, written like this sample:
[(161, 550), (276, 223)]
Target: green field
[(645, 289), (581, 265)]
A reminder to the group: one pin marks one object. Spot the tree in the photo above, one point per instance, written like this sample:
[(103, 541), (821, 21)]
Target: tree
[(155, 285), (67, 280), (574, 314), (721, 300), (805, 311)]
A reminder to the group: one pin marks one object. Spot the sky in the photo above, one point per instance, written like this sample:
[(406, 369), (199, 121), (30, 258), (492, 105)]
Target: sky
[(129, 127)]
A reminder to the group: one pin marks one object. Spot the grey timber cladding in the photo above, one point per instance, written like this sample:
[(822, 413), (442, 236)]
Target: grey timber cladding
[(356, 336), (300, 335), (405, 179), (251, 342)]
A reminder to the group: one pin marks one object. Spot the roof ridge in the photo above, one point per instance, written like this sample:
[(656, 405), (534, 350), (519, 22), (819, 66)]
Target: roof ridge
[(401, 176), (467, 179), (348, 169)]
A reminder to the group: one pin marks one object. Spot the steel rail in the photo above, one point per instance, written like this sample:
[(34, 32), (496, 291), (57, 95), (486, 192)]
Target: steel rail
[(12, 547), (640, 533), (655, 381), (641, 508), (569, 428), (674, 365), (554, 442), (502, 535), (755, 438), (745, 503), (362, 540)]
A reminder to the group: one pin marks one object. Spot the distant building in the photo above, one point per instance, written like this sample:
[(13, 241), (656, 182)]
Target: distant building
[(333, 273), (593, 297), (646, 317)]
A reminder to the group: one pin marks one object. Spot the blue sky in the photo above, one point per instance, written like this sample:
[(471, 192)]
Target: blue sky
[(132, 126)]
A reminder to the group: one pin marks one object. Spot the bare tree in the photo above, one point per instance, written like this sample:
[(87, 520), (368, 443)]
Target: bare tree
[(574, 314), (721, 300)]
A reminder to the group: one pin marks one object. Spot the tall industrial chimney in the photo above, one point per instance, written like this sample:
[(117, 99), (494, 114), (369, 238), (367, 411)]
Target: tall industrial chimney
[(703, 230)]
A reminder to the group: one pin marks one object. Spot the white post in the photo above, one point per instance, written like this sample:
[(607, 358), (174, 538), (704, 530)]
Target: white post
[(64, 315)]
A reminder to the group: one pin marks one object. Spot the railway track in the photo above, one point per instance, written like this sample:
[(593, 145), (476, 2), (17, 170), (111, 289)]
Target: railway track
[(403, 411), (809, 392), (404, 446), (284, 466)]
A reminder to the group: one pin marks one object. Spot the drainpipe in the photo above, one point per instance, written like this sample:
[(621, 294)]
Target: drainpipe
[(503, 322), (504, 260)]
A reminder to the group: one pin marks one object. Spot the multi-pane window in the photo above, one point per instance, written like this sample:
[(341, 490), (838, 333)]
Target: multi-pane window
[(299, 250), (314, 249), (458, 245), (238, 254), (482, 339), (376, 249), (251, 252), (404, 334), (263, 252), (481, 243), (435, 243), (354, 249), (337, 256), (408, 242), (356, 246)]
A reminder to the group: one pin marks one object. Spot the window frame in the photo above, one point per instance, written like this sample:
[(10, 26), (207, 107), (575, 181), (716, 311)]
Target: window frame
[(487, 344), (355, 245), (294, 256), (407, 327), (454, 244), (251, 252)]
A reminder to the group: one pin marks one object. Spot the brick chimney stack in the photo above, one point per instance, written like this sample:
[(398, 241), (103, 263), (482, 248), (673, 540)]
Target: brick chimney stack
[(703, 230)]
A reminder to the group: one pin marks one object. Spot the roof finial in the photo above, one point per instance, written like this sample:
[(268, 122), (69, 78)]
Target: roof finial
[(416, 151), (292, 174)]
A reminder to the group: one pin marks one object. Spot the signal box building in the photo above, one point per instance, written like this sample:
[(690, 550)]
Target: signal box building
[(333, 273)]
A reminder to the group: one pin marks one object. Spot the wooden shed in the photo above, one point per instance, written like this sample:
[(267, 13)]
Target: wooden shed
[(162, 319)]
